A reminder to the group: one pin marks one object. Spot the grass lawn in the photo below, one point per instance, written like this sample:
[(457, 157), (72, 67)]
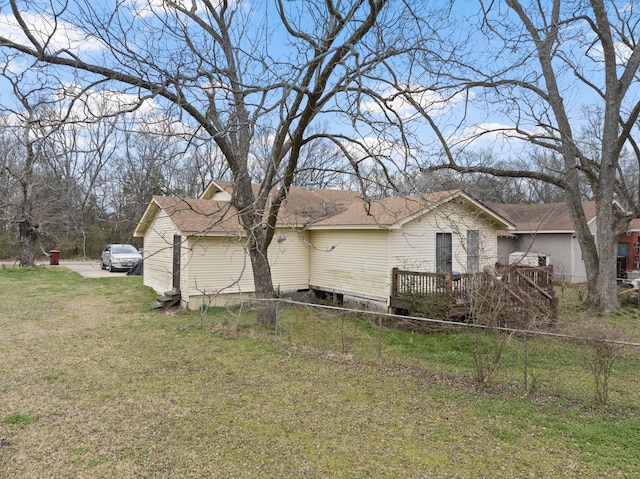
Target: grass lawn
[(95, 384)]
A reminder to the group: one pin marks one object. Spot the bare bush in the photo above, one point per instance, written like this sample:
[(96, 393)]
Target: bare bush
[(488, 303), (601, 341)]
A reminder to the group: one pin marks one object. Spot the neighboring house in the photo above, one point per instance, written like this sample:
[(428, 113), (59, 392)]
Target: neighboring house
[(327, 241), (547, 230)]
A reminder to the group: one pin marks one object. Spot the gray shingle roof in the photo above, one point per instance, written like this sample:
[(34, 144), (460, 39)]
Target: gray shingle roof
[(546, 217)]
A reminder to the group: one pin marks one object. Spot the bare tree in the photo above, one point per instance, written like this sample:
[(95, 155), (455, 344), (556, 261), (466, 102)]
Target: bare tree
[(79, 149), (55, 150), (231, 70), (538, 71), (321, 164), (25, 152), (148, 162), (483, 186), (10, 189), (202, 163)]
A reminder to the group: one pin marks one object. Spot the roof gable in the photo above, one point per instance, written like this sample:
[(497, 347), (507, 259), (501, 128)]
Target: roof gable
[(216, 189), (147, 218)]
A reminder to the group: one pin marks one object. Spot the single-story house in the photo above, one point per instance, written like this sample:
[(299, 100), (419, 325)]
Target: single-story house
[(547, 230), (327, 241)]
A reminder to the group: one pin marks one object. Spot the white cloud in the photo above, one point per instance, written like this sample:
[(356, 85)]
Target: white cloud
[(95, 103), (16, 65), (484, 132), (435, 103), (146, 8), (592, 47), (57, 34), (495, 133)]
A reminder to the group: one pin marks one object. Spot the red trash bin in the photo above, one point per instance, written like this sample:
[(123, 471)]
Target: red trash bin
[(54, 257)]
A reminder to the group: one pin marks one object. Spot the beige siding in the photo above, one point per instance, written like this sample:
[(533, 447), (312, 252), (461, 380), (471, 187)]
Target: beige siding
[(354, 262), (414, 247), (220, 265), (289, 259), (221, 196), (158, 253)]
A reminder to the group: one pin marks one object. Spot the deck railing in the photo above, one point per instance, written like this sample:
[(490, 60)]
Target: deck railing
[(419, 283), (455, 288), (538, 276)]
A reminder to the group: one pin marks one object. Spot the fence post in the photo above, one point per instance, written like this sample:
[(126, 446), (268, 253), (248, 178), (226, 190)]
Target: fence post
[(554, 309), (394, 281), (526, 362), (379, 339)]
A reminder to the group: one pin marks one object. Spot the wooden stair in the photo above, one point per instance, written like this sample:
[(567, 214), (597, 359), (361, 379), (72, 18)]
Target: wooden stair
[(167, 300)]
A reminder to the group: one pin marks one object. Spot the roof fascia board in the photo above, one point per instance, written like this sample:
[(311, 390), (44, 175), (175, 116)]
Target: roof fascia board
[(501, 221), (149, 214), (239, 233), (534, 232), (353, 227)]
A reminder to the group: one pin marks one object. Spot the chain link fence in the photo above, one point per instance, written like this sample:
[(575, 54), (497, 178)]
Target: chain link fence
[(589, 361)]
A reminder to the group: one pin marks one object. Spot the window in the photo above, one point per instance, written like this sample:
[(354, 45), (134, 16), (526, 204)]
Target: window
[(623, 249), (124, 249), (444, 252), (473, 251)]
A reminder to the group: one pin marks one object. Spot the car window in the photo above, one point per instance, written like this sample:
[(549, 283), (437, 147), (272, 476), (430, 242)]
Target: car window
[(124, 249)]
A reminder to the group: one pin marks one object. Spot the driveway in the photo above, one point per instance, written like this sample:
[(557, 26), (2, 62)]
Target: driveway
[(90, 269)]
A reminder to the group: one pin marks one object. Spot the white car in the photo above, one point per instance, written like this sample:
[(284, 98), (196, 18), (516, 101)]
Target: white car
[(119, 257)]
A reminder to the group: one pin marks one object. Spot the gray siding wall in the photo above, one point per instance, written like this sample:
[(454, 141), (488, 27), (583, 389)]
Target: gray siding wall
[(563, 252)]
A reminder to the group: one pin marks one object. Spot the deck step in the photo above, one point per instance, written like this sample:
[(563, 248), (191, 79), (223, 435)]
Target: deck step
[(170, 298), (166, 298)]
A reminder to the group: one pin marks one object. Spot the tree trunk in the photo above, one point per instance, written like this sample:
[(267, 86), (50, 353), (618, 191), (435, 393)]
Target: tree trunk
[(266, 307), (604, 298), (599, 255), (604, 295), (28, 238), (27, 227), (251, 211)]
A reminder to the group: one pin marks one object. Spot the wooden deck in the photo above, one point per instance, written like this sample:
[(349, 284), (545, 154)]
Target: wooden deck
[(450, 293)]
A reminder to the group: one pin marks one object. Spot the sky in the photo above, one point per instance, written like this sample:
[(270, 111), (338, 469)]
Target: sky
[(459, 118)]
